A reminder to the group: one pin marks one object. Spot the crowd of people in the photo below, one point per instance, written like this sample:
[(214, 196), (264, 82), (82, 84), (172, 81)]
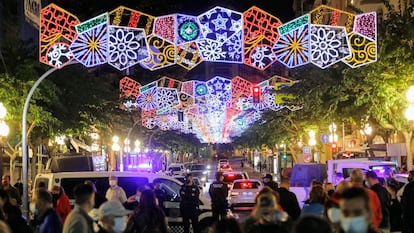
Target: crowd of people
[(361, 205)]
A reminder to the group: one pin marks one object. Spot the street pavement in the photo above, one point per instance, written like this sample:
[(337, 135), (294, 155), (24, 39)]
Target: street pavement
[(235, 163)]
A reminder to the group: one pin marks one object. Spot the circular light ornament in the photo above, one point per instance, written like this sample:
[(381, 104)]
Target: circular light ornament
[(189, 30), (201, 89)]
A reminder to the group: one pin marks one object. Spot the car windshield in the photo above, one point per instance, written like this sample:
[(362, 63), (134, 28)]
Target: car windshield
[(197, 174), (198, 167), (229, 178), (246, 185)]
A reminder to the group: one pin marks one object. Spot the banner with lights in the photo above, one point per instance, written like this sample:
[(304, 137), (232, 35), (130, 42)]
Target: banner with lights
[(213, 110), (126, 37)]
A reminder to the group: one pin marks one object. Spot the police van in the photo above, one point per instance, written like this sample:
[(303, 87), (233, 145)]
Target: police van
[(129, 181)]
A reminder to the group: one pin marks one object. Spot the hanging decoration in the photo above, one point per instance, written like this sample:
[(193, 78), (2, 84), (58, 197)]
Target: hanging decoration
[(214, 110), (126, 37)]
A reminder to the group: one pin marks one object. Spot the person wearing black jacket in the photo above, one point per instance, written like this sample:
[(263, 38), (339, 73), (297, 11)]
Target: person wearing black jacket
[(268, 181), (384, 197), (407, 202), (189, 204), (288, 200), (47, 220), (218, 192)]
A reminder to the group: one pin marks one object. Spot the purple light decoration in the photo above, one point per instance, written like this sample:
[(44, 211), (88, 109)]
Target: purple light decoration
[(366, 25)]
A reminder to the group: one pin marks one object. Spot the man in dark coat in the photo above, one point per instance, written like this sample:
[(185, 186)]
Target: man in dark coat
[(189, 205), (47, 220), (407, 202), (288, 200), (218, 192), (268, 181)]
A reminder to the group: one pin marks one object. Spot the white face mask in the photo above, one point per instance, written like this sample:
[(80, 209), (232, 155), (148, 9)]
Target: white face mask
[(334, 214), (32, 207), (120, 224), (112, 183), (354, 224)]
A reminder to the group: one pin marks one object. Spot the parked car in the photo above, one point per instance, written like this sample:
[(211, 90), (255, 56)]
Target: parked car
[(243, 193), (176, 169), (224, 168)]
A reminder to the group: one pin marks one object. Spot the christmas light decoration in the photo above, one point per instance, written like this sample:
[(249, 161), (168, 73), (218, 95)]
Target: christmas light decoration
[(125, 37)]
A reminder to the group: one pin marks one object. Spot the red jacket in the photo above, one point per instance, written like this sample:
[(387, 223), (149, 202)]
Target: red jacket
[(375, 203), (63, 207)]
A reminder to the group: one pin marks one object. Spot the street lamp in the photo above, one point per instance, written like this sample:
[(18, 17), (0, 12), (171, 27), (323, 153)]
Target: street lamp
[(115, 148), (4, 131)]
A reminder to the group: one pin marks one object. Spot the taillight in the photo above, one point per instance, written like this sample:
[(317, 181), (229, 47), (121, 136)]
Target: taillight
[(234, 193)]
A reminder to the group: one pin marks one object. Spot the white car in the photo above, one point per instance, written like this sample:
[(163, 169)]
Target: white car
[(224, 168), (243, 193), (176, 169)]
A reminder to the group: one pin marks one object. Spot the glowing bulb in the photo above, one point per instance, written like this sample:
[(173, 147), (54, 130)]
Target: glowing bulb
[(409, 113), (410, 94), (3, 110)]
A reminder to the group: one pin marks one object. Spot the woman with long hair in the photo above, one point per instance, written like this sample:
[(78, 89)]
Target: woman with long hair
[(148, 217)]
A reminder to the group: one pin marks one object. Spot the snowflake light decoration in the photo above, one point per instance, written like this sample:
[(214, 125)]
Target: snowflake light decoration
[(166, 98), (147, 100), (254, 38), (127, 47), (329, 45)]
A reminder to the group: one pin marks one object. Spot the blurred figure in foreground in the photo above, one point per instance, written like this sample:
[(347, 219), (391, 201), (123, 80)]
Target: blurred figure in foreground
[(148, 216), (312, 224), (355, 211), (317, 198), (61, 202), (99, 199), (384, 197), (14, 218), (78, 220), (47, 221), (4, 228), (267, 215), (288, 200), (12, 191), (112, 217), (226, 225), (395, 209), (407, 201)]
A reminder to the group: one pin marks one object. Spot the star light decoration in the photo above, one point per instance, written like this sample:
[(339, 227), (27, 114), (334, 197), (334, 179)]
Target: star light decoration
[(213, 110), (125, 37)]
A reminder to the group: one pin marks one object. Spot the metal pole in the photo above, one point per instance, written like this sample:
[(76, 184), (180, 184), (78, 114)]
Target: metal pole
[(25, 157)]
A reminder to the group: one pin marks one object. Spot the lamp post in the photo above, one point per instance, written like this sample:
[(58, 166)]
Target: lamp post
[(4, 131)]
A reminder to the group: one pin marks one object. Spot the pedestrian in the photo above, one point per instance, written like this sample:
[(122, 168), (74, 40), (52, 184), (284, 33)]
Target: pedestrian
[(133, 201), (160, 194), (395, 209), (384, 197), (61, 202), (268, 181), (19, 186), (260, 166), (317, 198), (11, 191), (99, 198), (112, 217), (218, 192), (242, 164), (226, 225), (13, 217), (47, 220), (407, 202), (267, 215), (148, 217), (78, 220), (357, 180), (189, 205), (355, 209), (4, 202), (312, 224), (288, 200), (115, 192)]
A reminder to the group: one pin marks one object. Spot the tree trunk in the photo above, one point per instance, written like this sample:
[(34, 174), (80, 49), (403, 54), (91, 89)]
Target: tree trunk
[(408, 142)]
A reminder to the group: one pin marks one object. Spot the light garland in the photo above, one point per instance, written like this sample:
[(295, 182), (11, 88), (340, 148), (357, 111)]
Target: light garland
[(125, 37)]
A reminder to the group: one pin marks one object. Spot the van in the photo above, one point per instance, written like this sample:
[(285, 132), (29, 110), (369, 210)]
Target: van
[(301, 177), (129, 181), (341, 169), (176, 169)]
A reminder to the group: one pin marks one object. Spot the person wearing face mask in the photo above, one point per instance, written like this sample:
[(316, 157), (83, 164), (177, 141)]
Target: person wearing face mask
[(356, 213), (47, 221), (267, 216), (407, 202), (112, 217), (332, 211), (357, 180), (189, 193), (115, 192), (134, 200), (61, 202), (78, 221)]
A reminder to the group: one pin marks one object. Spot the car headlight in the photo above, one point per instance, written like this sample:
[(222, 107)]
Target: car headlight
[(204, 172), (208, 167), (203, 179)]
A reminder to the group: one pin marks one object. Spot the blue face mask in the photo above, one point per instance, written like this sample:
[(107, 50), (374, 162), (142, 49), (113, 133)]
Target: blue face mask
[(137, 198), (354, 224)]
